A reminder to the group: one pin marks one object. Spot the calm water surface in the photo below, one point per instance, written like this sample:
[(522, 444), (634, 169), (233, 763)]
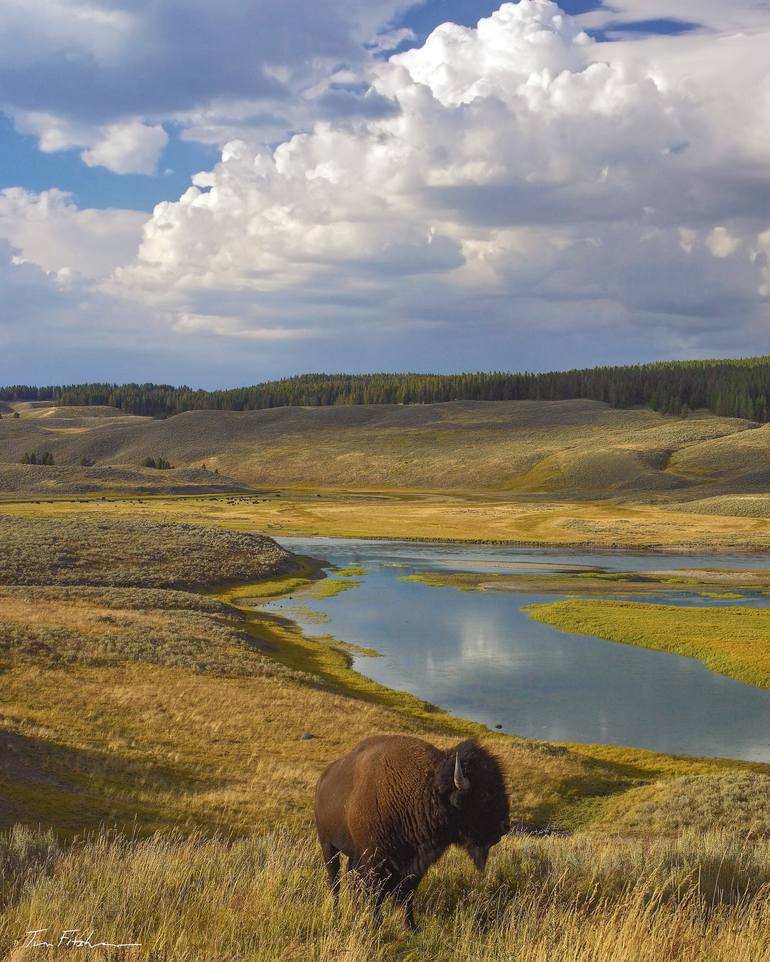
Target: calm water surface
[(478, 655)]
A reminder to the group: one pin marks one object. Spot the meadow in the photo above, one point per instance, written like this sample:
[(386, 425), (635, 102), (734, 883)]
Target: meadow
[(710, 582), (699, 898), (161, 738), (157, 780), (432, 516)]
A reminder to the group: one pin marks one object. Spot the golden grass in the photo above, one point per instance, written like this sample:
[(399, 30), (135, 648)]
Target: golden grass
[(155, 740), (30, 481), (56, 627), (462, 516), (697, 899), (578, 446), (699, 580), (732, 641), (738, 801), (737, 505)]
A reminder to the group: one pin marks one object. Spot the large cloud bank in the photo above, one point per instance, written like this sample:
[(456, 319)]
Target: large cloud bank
[(518, 185), (525, 174)]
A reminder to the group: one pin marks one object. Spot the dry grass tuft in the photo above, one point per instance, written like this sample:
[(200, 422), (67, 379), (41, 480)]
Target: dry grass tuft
[(53, 628)]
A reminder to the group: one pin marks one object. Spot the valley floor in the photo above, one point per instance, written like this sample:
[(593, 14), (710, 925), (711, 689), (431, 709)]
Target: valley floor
[(741, 523)]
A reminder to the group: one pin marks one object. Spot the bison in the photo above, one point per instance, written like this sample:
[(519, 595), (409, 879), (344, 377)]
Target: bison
[(394, 804)]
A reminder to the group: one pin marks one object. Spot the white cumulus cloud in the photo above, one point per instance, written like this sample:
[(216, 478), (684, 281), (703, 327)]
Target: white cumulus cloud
[(524, 171), (515, 186), (128, 148), (86, 73), (50, 231)]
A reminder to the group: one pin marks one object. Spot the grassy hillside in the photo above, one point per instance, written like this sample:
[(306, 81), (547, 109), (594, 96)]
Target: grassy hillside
[(156, 775), (44, 481), (569, 448), (125, 553)]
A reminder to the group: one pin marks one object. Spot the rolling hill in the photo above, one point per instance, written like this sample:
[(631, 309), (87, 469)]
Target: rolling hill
[(568, 448)]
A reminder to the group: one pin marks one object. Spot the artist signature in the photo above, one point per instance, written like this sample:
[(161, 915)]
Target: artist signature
[(71, 939)]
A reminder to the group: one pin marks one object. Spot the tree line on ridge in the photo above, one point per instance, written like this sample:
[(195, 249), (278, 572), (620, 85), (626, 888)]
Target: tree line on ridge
[(731, 388)]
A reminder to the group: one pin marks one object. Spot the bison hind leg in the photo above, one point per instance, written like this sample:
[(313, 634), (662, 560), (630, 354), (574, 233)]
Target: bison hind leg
[(331, 856)]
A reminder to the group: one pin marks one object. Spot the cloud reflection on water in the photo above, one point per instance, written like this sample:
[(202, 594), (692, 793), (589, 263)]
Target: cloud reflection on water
[(479, 655)]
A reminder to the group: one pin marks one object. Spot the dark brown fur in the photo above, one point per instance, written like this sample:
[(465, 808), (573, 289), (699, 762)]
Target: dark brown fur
[(391, 805)]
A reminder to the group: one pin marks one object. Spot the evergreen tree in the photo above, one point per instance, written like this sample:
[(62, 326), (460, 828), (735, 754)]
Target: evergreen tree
[(732, 388)]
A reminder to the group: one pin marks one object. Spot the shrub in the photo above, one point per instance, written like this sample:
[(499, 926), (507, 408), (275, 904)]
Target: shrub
[(31, 457)]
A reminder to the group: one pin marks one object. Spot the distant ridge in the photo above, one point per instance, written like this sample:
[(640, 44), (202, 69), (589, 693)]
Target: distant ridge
[(730, 388)]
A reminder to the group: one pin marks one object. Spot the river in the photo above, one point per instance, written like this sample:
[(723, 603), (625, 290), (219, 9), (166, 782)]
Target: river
[(478, 655)]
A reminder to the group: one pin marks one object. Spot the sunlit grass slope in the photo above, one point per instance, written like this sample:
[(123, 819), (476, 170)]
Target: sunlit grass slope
[(701, 898), (578, 447), (155, 708), (466, 517), (131, 553)]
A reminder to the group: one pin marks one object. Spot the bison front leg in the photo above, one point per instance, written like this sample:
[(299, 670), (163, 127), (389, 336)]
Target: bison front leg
[(403, 895), (331, 857)]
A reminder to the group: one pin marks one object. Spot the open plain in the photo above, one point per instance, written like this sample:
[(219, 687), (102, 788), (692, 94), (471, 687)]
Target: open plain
[(156, 728)]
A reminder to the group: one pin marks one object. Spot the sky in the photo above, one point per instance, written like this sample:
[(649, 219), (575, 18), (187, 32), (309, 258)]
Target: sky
[(220, 194)]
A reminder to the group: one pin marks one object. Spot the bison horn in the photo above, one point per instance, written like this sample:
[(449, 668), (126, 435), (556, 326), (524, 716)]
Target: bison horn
[(461, 782)]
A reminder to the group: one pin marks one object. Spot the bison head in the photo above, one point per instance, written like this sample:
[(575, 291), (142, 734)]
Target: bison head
[(470, 786)]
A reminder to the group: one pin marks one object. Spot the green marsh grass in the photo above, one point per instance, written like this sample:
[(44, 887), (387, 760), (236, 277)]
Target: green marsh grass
[(731, 641)]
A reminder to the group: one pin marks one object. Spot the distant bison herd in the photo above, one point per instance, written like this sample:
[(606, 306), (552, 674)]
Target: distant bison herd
[(394, 804)]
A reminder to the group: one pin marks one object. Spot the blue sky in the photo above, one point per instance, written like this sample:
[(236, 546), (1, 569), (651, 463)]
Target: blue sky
[(564, 185)]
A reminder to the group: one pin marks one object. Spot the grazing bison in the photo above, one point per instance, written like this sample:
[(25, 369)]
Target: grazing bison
[(394, 804)]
